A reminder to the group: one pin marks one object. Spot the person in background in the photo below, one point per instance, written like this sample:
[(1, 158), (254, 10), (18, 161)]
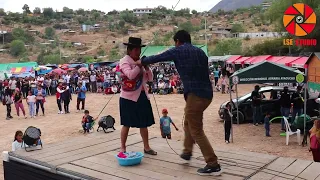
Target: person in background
[(297, 99), (161, 86), (12, 84), (86, 121), (93, 81), (60, 90), (17, 141), (31, 101), (256, 97), (81, 91), (285, 103), (25, 88), (40, 94), (66, 97), (224, 83), (227, 116), (17, 97), (165, 122), (267, 124), (53, 86), (216, 78), (47, 83), (33, 85), (7, 101), (315, 140)]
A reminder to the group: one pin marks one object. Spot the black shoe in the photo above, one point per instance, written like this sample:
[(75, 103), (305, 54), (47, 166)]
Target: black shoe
[(186, 157), (210, 171), (10, 117)]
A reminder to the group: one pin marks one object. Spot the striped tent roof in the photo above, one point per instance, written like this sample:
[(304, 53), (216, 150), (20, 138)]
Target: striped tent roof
[(18, 70)]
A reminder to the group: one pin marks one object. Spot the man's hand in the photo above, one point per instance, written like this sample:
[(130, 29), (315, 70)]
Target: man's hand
[(139, 63)]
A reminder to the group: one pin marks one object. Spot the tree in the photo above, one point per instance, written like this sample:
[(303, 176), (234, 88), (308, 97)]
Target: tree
[(48, 13), (26, 9), (237, 28), (122, 23), (17, 48), (37, 10), (53, 59), (20, 34), (2, 12), (49, 32), (187, 26), (80, 11), (230, 46), (66, 10), (194, 12), (96, 16)]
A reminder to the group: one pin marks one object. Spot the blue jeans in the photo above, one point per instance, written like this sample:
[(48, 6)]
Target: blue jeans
[(267, 127), (32, 109), (295, 112), (86, 126), (257, 114), (284, 112)]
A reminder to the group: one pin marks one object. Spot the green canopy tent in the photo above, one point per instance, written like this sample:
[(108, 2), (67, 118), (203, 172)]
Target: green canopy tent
[(266, 72), (3, 71)]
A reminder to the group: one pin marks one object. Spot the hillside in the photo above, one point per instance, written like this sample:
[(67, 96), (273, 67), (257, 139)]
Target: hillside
[(231, 5)]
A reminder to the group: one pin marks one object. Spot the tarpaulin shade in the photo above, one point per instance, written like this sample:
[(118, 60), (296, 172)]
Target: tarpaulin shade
[(233, 58), (25, 64), (260, 59), (275, 58), (247, 61), (267, 72), (287, 60), (241, 60), (299, 63), (19, 70)]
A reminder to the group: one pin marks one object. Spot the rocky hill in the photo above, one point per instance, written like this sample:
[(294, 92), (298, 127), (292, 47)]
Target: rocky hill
[(230, 5)]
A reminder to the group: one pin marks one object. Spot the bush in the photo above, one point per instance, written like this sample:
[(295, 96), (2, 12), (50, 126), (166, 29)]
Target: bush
[(60, 26), (101, 52), (17, 48), (237, 28), (154, 22), (229, 46), (49, 32)]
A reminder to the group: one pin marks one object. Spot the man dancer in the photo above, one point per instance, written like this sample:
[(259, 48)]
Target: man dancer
[(192, 65)]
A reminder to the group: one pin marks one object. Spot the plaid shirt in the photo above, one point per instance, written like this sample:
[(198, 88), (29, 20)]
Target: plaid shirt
[(192, 65)]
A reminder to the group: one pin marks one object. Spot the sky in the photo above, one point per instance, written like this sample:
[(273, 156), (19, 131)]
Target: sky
[(106, 5)]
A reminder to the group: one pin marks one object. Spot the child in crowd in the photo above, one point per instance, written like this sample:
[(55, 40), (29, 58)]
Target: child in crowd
[(267, 124), (165, 122), (224, 84), (17, 142), (31, 101), (87, 121), (227, 115)]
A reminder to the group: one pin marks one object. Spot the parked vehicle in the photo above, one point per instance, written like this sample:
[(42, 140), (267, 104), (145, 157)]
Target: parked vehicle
[(268, 105)]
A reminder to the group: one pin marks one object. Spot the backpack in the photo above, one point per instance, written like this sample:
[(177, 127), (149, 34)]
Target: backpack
[(314, 143), (106, 122)]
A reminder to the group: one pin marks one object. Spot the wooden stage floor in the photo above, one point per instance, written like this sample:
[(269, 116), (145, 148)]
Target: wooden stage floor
[(93, 157)]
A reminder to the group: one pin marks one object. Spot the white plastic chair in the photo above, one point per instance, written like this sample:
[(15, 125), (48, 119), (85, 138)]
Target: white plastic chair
[(289, 132)]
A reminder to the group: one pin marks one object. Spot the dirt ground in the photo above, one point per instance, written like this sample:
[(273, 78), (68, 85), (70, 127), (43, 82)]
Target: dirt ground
[(56, 127)]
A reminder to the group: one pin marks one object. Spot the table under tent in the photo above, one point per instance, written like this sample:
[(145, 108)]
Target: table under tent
[(265, 72)]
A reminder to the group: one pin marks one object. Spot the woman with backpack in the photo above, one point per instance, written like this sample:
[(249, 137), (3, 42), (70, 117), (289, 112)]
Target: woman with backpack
[(315, 141)]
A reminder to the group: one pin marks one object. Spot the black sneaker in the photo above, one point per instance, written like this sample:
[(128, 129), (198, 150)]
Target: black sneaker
[(210, 171), (186, 157)]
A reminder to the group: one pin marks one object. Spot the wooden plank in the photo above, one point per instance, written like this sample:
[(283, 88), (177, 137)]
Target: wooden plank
[(297, 167), (108, 159), (226, 159), (311, 172), (318, 178), (73, 142), (76, 146), (280, 178), (177, 145), (280, 164), (277, 174), (262, 176), (88, 172), (91, 151), (171, 158), (115, 170)]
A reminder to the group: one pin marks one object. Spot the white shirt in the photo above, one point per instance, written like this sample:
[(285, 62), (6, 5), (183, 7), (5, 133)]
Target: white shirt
[(161, 85), (16, 145), (13, 84), (67, 78), (93, 78), (31, 99), (40, 79)]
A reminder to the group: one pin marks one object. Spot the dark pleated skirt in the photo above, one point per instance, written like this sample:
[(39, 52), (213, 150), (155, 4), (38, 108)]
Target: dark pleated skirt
[(136, 114)]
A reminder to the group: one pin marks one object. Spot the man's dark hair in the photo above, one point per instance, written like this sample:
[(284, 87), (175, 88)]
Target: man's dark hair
[(183, 37), (86, 112)]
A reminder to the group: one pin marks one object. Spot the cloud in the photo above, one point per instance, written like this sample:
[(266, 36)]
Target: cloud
[(106, 5)]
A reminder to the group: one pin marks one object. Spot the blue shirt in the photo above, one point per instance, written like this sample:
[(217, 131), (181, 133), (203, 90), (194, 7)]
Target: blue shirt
[(165, 124), (216, 73), (192, 65), (81, 92)]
